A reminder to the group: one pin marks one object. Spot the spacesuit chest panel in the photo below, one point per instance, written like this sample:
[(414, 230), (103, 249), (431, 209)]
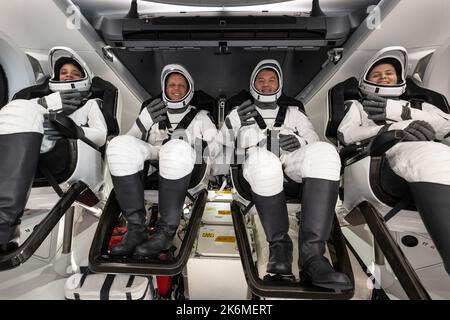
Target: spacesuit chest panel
[(178, 124), (274, 120)]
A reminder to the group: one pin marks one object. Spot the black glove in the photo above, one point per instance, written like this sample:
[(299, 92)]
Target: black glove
[(157, 110), (53, 133), (50, 130), (375, 107), (419, 130), (71, 100), (246, 111), (289, 142)]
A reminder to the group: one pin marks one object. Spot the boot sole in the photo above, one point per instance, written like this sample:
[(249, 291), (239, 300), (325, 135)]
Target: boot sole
[(338, 287), (327, 285)]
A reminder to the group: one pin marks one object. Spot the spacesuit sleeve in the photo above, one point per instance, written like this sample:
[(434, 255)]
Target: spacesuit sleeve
[(96, 131), (355, 127), (52, 101), (439, 120), (142, 125), (305, 129)]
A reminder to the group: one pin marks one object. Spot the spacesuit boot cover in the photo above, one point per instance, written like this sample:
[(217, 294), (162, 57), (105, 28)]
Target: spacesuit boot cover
[(273, 213), (316, 219), (433, 202), (18, 164), (129, 192), (171, 196)]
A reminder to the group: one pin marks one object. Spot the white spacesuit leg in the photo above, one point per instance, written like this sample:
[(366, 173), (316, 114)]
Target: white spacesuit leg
[(426, 166), (126, 156), (21, 128), (317, 166), (262, 169), (316, 160), (421, 161), (176, 159), (21, 116), (176, 162)]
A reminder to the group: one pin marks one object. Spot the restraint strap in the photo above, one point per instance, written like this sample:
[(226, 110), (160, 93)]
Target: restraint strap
[(104, 291), (51, 179), (184, 123)]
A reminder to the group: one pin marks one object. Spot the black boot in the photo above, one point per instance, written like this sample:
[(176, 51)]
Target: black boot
[(433, 202), (18, 163), (318, 208), (273, 213), (129, 192), (171, 196), (12, 245)]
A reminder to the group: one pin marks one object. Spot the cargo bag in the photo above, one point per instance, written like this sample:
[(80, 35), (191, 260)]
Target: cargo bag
[(98, 286)]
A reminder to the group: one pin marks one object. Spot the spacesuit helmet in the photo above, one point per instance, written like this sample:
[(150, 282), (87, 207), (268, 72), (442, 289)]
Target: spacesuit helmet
[(395, 56), (260, 96), (183, 101), (57, 58)]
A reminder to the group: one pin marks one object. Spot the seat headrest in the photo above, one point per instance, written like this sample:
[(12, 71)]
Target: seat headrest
[(3, 88), (417, 95), (108, 93), (101, 89), (341, 92)]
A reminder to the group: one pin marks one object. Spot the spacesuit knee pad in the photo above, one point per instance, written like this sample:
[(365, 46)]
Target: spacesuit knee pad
[(21, 116), (176, 159), (263, 171), (321, 161), (126, 155)]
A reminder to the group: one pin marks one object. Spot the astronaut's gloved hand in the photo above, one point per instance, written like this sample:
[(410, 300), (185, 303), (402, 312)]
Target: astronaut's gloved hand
[(157, 110), (65, 102), (419, 130), (375, 107), (289, 142), (50, 130), (380, 109), (71, 100), (58, 126), (246, 111)]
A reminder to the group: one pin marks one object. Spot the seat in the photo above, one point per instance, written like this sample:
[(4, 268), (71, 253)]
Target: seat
[(75, 163), (269, 287), (372, 192), (99, 259)]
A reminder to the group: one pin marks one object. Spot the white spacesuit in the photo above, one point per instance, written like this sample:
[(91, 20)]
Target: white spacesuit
[(422, 160), (170, 131), (302, 158), (26, 131)]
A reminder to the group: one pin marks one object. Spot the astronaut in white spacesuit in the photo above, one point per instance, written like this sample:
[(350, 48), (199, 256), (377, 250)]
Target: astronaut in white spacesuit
[(167, 130), (421, 159), (26, 132), (302, 158)]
